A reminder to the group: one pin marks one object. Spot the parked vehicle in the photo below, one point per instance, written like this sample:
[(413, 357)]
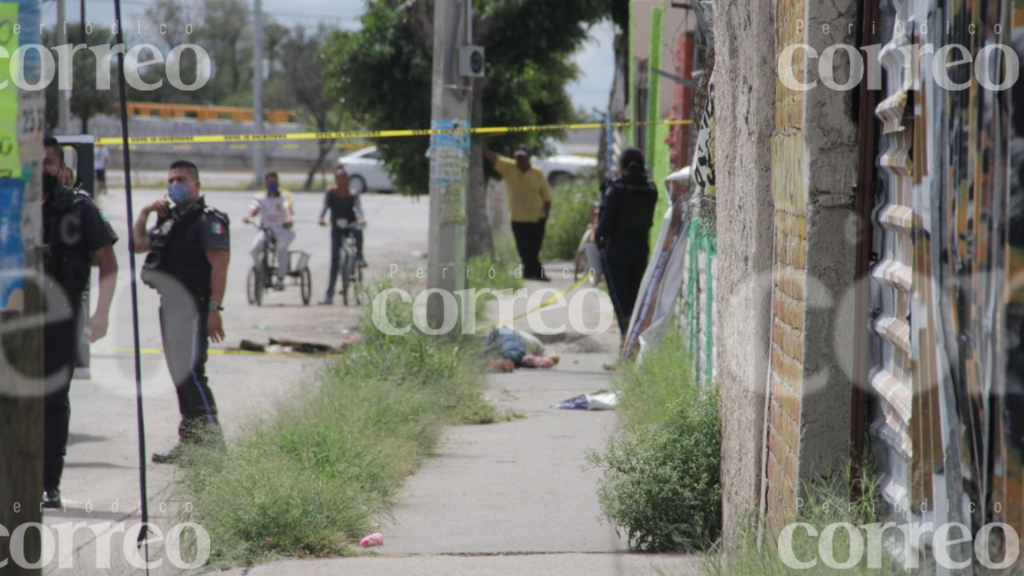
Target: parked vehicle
[(563, 167), (366, 169)]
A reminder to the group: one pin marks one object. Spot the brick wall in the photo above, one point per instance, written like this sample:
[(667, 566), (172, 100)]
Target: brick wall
[(789, 277)]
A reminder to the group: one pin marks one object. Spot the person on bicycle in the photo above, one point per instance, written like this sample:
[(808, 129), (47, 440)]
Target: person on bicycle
[(627, 213), (347, 216), (274, 207)]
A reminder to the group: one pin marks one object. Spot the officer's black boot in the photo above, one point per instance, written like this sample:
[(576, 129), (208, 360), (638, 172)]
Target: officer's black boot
[(51, 498)]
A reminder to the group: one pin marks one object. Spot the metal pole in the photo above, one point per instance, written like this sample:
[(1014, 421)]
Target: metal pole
[(63, 97), (258, 160), (83, 38), (449, 161)]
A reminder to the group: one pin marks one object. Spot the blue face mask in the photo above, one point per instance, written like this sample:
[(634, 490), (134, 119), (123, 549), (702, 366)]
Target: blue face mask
[(178, 193), (273, 188)]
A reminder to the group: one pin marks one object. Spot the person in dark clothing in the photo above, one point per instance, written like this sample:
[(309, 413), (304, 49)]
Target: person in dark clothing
[(76, 235), (347, 216), (189, 250), (623, 230)]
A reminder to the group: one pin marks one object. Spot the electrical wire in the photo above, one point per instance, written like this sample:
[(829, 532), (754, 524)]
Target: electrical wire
[(140, 418)]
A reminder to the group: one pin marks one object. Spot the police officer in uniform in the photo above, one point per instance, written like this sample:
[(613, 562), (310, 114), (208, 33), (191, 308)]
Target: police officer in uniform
[(76, 235), (623, 229), (188, 265)]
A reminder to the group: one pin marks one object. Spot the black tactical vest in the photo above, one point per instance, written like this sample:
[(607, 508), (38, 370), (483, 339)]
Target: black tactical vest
[(67, 268), (177, 252)]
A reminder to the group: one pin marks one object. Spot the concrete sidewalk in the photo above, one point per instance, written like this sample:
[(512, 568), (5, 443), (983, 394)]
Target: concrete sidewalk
[(512, 498)]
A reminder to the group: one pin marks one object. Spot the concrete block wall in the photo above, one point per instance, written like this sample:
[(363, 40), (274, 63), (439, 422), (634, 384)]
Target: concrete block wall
[(745, 84)]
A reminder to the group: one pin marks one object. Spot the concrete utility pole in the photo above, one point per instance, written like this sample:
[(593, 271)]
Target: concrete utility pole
[(63, 96), (449, 158), (258, 161), (21, 321)]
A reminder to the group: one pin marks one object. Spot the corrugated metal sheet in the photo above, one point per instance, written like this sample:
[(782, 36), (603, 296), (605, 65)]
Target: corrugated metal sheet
[(946, 229)]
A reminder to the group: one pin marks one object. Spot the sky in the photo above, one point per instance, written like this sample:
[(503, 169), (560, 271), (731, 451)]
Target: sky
[(596, 60)]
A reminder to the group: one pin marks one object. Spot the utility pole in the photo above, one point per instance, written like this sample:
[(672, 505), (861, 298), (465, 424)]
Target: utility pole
[(258, 160), (21, 321), (63, 96), (449, 158)]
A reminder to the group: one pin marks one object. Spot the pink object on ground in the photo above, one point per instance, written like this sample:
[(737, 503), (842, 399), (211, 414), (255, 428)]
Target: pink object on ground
[(375, 539)]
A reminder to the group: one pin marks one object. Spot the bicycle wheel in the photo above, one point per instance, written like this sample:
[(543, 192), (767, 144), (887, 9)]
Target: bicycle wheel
[(582, 267), (250, 286), (306, 285)]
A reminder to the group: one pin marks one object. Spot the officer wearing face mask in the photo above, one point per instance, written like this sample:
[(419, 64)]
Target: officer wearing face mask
[(187, 264), (76, 235)]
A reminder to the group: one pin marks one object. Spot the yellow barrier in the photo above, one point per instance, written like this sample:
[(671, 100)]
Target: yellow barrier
[(198, 112), (216, 139)]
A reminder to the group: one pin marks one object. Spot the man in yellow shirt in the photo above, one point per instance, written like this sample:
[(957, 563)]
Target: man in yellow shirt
[(529, 203)]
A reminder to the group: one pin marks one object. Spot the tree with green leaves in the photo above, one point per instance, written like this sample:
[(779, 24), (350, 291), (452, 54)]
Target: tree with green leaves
[(382, 75), (298, 82), (224, 29), (87, 100)]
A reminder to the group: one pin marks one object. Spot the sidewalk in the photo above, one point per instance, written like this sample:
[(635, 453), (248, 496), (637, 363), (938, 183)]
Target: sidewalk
[(511, 498)]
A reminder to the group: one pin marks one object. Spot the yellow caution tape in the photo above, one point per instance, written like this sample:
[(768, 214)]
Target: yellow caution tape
[(215, 139), (541, 306)]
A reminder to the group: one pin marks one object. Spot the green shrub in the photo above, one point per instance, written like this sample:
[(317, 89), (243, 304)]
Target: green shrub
[(318, 475), (571, 210), (661, 480)]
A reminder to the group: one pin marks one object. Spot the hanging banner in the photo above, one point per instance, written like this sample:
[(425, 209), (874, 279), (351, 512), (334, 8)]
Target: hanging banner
[(663, 280)]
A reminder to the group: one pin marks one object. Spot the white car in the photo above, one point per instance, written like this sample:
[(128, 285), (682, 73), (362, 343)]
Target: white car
[(564, 167), (366, 170)]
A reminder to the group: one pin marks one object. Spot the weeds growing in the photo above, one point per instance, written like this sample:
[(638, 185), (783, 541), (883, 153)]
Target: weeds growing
[(571, 210), (320, 473)]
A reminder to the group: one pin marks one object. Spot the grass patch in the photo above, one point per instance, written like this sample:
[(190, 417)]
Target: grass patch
[(826, 502), (495, 273), (320, 473), (571, 210), (661, 482)]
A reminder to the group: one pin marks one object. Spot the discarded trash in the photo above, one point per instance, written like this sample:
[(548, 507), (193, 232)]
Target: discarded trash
[(262, 326), (596, 401), (375, 539)]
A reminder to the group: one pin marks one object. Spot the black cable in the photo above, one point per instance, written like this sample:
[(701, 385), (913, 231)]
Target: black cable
[(135, 295)]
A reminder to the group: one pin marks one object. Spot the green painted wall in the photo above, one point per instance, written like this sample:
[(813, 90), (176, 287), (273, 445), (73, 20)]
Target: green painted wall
[(630, 92), (656, 150)]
